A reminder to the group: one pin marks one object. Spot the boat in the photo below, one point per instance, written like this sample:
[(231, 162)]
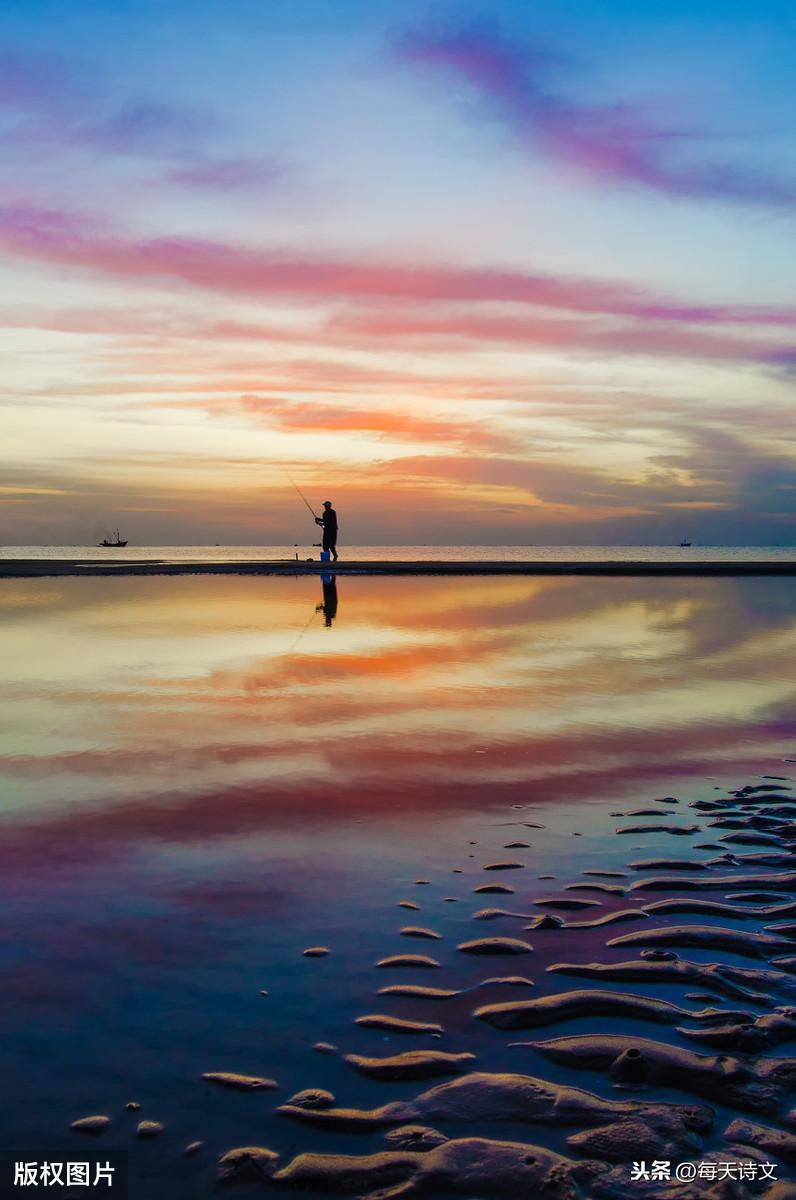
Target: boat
[(685, 542), (114, 541)]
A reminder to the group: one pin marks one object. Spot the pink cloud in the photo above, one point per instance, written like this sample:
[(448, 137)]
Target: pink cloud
[(64, 239), (608, 141), (456, 327)]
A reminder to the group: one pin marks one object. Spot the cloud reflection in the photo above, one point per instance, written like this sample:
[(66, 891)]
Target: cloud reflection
[(254, 703)]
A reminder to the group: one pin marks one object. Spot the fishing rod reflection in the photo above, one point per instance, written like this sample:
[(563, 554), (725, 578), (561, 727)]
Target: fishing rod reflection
[(328, 605)]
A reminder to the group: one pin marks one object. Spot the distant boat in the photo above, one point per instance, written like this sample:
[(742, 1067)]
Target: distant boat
[(114, 541), (685, 542)]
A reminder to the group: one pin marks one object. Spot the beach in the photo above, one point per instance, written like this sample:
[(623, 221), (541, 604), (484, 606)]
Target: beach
[(695, 561), (407, 882)]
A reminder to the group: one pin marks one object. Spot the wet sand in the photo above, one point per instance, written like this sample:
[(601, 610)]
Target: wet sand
[(673, 1037), (23, 568)]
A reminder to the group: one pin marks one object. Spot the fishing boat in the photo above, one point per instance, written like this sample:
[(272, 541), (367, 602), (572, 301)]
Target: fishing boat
[(116, 540), (685, 542)]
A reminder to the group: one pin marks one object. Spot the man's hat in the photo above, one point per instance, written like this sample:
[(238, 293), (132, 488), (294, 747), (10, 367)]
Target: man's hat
[(327, 504)]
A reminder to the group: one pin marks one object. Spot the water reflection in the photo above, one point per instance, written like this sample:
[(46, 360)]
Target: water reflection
[(142, 710), (328, 605), (135, 688)]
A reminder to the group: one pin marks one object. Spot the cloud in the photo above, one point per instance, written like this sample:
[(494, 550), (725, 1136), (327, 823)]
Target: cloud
[(379, 422), (48, 101), (422, 329), (143, 127), (456, 327), (463, 491), (520, 86), (49, 104), (64, 238), (731, 484), (758, 483), (228, 174), (33, 82)]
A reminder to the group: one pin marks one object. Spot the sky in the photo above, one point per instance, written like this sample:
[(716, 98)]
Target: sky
[(498, 273)]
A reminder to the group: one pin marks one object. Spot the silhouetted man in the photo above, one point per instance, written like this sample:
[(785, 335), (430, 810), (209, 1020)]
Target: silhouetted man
[(329, 605), (328, 522)]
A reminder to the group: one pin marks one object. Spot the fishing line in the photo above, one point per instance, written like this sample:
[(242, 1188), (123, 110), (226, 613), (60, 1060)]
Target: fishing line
[(301, 633)]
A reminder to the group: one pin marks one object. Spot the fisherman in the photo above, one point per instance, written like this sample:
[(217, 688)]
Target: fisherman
[(328, 523)]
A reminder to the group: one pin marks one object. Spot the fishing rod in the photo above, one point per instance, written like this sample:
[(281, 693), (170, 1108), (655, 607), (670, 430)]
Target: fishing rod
[(303, 497)]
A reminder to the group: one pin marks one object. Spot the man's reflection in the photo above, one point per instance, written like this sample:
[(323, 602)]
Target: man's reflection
[(329, 605)]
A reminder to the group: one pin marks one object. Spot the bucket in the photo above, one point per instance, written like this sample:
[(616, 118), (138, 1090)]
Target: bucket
[(325, 555)]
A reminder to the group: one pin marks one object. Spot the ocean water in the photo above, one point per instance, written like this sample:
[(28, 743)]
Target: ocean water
[(694, 553), (201, 778)]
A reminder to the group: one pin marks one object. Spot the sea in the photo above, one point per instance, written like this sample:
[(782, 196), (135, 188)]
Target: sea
[(424, 553)]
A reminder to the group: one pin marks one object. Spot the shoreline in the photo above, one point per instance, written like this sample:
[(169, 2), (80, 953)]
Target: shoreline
[(43, 568)]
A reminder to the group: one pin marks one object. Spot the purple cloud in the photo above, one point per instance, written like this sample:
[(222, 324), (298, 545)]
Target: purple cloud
[(229, 174), (46, 104), (145, 125), (605, 141), (45, 101), (31, 82)]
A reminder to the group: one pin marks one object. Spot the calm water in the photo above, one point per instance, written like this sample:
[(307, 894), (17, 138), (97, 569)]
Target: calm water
[(200, 778), (694, 553)]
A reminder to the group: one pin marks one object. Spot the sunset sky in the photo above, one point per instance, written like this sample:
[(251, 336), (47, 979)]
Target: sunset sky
[(497, 273)]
